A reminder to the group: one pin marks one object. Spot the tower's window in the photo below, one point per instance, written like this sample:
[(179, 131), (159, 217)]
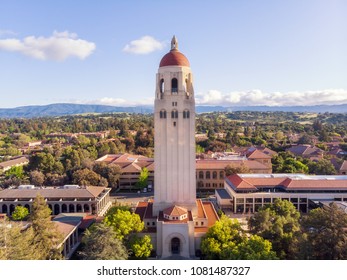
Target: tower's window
[(186, 114), (174, 114), (161, 85), (174, 85), (174, 123), (162, 114)]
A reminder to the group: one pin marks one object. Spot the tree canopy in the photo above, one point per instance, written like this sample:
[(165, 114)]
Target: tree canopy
[(102, 243), (278, 223), (226, 240), (325, 233)]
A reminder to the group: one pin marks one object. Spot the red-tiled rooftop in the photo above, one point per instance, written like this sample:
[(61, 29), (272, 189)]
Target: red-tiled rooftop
[(175, 211), (289, 182), (256, 154)]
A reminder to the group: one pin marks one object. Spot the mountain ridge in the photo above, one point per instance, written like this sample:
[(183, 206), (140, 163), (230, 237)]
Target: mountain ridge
[(61, 109)]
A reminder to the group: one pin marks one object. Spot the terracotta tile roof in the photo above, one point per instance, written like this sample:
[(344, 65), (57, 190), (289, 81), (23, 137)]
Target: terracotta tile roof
[(149, 211), (88, 192), (239, 183), (327, 185), (288, 182), (175, 211), (131, 168), (256, 154), (343, 165), (65, 228), (141, 209), (211, 213), (201, 213)]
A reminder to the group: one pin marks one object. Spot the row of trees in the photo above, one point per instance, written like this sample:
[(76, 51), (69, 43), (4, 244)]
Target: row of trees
[(278, 231)]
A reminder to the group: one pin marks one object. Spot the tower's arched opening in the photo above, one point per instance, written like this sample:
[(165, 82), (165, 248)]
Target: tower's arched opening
[(175, 246)]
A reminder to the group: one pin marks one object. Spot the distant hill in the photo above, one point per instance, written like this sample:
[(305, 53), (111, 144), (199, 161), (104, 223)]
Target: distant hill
[(61, 109)]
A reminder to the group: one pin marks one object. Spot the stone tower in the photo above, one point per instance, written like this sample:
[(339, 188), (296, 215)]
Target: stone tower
[(174, 142)]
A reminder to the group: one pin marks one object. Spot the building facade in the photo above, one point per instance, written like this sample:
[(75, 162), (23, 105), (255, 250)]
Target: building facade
[(246, 193), (66, 199)]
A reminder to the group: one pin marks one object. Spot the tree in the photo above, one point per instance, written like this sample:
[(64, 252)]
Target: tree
[(127, 225), (15, 172), (111, 172), (87, 177), (226, 240), (37, 178), (231, 169), (20, 213), (321, 167), (143, 179), (326, 236), (101, 243), (124, 223), (278, 223), (15, 241), (46, 237), (140, 247)]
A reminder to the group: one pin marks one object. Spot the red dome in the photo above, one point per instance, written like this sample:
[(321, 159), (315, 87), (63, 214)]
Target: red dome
[(174, 58)]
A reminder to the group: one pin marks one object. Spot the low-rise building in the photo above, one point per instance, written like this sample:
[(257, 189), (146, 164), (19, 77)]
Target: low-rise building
[(18, 161), (66, 199), (246, 193), (307, 151), (131, 166)]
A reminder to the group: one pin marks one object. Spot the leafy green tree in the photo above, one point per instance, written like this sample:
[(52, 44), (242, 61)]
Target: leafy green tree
[(15, 171), (20, 213), (124, 223), (278, 223), (325, 231), (127, 225), (143, 179), (321, 167), (46, 238), (101, 243), (140, 247), (226, 240), (15, 242), (87, 177)]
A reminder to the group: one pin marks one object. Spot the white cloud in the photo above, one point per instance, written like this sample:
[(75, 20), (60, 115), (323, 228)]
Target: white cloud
[(144, 45), (6, 32), (257, 97), (116, 101), (59, 46)]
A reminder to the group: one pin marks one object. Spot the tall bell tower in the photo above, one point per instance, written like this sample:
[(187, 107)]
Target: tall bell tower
[(174, 142)]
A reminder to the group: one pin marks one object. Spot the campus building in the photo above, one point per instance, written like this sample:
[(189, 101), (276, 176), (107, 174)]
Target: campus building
[(66, 199), (246, 193)]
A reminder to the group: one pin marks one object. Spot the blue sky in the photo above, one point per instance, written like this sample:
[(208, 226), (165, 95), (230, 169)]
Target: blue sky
[(108, 52)]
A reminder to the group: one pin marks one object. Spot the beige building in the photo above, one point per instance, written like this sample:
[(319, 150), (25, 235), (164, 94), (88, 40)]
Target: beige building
[(131, 166), (19, 161), (66, 199), (246, 193)]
